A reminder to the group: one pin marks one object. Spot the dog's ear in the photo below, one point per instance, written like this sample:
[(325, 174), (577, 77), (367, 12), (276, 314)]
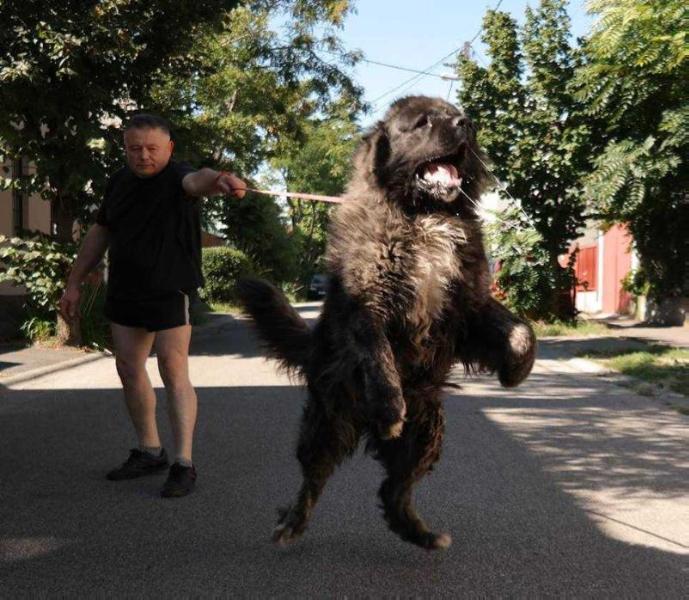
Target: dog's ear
[(373, 152)]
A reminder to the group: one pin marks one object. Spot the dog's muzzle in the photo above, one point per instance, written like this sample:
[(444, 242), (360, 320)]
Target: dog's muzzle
[(439, 178)]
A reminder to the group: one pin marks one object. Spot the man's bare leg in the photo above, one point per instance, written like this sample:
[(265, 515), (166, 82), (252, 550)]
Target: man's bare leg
[(132, 347), (172, 349)]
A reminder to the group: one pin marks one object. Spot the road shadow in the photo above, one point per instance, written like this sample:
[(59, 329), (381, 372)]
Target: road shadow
[(518, 528), (237, 337), (567, 348)]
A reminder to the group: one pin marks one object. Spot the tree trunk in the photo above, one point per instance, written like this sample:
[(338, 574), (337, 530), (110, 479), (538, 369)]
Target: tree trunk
[(563, 294), (665, 312), (62, 228), (62, 218), (68, 332)]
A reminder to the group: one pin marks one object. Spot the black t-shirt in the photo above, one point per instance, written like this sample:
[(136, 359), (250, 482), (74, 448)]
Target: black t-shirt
[(155, 232)]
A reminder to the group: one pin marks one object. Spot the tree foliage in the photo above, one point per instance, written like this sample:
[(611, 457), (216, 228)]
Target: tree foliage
[(636, 79), (256, 226), (71, 72), (525, 277), (261, 98), (40, 265), (532, 128), (321, 165)]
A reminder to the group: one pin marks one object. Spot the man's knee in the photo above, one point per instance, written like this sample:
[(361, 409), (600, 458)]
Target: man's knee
[(129, 370), (173, 369)]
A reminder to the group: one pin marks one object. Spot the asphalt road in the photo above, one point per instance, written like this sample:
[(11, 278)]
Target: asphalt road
[(567, 487)]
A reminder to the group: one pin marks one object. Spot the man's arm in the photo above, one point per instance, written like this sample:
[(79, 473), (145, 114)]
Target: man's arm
[(90, 254), (207, 182)]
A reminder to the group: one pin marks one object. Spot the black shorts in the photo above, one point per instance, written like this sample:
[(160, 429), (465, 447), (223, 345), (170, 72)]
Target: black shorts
[(153, 312)]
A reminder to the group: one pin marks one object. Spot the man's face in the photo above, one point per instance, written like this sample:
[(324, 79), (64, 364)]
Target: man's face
[(148, 150)]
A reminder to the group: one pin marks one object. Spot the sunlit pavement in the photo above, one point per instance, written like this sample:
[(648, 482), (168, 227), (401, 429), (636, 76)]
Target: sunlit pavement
[(567, 486)]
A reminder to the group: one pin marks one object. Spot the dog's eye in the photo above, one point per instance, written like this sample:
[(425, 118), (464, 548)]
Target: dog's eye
[(422, 121)]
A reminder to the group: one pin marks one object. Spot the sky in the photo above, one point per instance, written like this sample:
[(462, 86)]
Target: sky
[(416, 34)]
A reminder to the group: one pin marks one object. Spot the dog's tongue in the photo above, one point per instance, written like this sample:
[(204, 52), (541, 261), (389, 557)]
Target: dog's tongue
[(444, 173)]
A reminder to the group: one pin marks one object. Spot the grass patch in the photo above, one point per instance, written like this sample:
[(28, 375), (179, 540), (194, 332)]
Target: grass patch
[(225, 307), (563, 329), (664, 366)]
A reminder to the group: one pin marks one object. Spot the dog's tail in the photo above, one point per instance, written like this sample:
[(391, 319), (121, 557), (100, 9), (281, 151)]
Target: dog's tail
[(284, 334)]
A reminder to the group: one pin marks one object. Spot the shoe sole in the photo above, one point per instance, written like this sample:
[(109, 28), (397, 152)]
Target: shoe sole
[(151, 471), (175, 494)]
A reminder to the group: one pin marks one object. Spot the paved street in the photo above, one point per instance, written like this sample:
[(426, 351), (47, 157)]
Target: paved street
[(568, 486)]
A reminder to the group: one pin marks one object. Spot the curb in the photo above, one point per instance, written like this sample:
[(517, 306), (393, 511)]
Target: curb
[(582, 365), (198, 332), (48, 369)]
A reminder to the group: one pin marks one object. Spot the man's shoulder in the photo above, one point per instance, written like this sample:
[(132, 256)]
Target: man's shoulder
[(119, 175), (181, 168)]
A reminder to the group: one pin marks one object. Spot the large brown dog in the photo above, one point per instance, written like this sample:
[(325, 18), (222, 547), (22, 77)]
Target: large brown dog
[(408, 298)]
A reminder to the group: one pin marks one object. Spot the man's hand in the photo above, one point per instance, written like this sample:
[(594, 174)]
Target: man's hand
[(208, 182), (229, 184), (69, 303)]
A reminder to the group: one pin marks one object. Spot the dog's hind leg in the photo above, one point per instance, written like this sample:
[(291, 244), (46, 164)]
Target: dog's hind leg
[(324, 442), (407, 459)]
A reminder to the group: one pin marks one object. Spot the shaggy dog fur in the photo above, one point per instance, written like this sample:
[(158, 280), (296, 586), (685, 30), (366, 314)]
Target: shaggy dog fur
[(408, 298)]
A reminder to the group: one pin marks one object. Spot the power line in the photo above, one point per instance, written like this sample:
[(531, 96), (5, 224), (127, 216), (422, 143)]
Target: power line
[(409, 82), (399, 68), (415, 77)]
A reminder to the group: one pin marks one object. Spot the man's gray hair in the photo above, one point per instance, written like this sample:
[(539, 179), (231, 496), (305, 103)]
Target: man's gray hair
[(148, 121)]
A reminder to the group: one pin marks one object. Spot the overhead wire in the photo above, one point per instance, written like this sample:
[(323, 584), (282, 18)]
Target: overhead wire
[(425, 72)]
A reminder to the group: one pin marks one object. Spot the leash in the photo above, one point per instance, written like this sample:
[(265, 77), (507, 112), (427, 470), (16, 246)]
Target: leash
[(298, 195)]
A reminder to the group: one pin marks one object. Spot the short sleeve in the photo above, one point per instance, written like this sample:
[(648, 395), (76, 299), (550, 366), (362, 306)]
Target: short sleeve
[(102, 213), (182, 169)]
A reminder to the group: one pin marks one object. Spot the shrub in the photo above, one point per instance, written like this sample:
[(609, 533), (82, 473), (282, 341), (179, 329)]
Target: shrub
[(95, 328), (222, 266), (40, 265), (527, 274)]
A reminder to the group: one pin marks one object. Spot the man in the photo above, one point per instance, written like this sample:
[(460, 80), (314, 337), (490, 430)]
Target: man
[(149, 221)]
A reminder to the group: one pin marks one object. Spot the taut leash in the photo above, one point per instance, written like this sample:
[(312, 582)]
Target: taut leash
[(299, 195)]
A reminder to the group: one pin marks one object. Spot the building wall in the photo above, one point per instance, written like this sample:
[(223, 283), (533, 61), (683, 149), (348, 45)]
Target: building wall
[(35, 217), (36, 211), (6, 213), (617, 262), (604, 260)]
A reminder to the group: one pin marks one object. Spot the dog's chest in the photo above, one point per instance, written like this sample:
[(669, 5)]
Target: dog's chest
[(406, 270)]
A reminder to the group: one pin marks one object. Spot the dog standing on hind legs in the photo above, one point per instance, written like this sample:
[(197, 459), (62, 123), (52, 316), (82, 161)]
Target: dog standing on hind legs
[(408, 298)]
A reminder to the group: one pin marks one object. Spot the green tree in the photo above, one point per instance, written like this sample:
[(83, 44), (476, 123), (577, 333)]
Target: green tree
[(258, 90), (320, 164), (257, 227), (533, 130), (636, 79), (258, 98), (70, 70)]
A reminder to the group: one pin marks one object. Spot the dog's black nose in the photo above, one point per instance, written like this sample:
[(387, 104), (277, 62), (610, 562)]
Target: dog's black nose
[(461, 121)]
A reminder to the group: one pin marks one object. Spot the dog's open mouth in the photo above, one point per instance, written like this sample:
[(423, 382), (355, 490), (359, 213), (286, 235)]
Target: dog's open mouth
[(440, 178)]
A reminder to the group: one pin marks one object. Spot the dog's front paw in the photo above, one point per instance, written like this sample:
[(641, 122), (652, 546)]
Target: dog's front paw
[(519, 356), (390, 420)]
